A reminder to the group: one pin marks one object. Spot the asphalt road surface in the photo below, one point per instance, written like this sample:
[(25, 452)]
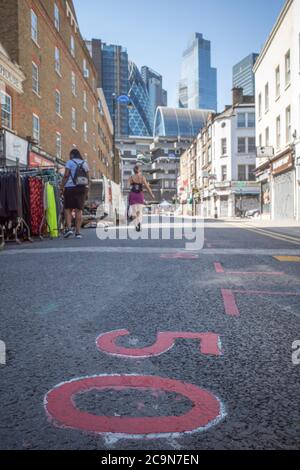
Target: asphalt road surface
[(143, 344)]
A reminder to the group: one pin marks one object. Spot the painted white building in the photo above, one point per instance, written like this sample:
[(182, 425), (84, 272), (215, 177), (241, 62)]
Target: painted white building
[(277, 81), (226, 157)]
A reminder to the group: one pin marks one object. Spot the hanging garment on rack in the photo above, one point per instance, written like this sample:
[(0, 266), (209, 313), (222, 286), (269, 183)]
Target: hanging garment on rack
[(26, 199), (51, 211), (36, 204), (10, 196)]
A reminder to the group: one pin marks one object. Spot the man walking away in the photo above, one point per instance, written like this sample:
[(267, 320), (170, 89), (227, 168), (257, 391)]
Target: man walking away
[(75, 188)]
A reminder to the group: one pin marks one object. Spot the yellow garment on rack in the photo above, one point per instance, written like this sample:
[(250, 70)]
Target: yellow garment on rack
[(51, 211)]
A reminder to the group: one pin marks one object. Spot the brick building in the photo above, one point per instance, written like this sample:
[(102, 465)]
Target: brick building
[(61, 106)]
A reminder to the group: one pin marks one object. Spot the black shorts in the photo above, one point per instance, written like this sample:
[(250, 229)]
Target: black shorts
[(74, 198)]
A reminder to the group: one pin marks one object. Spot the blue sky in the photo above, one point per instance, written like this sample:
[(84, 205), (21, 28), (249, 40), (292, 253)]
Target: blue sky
[(155, 32)]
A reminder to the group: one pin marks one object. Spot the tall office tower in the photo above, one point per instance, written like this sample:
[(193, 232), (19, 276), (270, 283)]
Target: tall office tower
[(243, 76), (111, 62), (139, 114), (198, 83), (157, 95)]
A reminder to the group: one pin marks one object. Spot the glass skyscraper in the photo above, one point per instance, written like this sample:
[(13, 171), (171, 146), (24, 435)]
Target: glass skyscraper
[(111, 62), (140, 114), (198, 83), (157, 95), (243, 76)]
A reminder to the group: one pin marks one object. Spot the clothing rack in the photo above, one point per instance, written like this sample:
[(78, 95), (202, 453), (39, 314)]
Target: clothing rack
[(48, 174), (20, 222)]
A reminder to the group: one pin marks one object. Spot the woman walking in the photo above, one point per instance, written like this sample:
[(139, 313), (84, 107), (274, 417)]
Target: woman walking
[(136, 196), (75, 188)]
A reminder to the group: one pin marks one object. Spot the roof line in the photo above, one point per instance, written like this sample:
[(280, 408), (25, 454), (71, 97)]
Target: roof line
[(277, 25)]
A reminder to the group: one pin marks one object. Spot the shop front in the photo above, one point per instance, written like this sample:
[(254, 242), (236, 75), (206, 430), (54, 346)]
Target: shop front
[(284, 184), (37, 160), (13, 149)]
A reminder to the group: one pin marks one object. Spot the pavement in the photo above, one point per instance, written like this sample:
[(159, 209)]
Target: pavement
[(143, 344)]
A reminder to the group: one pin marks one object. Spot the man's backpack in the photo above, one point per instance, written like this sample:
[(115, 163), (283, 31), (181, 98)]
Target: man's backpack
[(80, 177)]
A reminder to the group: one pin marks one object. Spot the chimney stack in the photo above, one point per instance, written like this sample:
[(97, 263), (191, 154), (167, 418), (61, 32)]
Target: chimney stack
[(237, 96)]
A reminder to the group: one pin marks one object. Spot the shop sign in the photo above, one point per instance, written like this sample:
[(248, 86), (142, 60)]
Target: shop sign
[(282, 164), (10, 79), (39, 161), (16, 148)]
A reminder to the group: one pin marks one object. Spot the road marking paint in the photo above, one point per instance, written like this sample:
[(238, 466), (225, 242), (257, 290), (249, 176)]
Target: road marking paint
[(179, 256), (2, 353), (210, 344), (94, 250), (289, 259), (230, 305), (276, 236), (220, 270), (59, 403)]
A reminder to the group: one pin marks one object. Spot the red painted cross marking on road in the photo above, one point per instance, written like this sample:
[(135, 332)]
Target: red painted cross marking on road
[(205, 412), (220, 270), (209, 344), (230, 305), (190, 256)]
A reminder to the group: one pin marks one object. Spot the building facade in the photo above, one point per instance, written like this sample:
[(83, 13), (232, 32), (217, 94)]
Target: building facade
[(173, 123), (111, 62), (59, 107), (157, 95), (12, 147), (243, 76), (132, 151), (277, 81), (139, 113), (198, 82), (219, 166)]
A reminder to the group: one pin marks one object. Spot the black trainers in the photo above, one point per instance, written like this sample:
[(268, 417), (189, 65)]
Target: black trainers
[(78, 236), (68, 233), (138, 227)]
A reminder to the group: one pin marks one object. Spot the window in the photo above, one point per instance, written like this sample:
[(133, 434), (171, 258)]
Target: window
[(241, 172), (251, 145), (278, 132), (34, 27), (74, 123), (72, 46), (85, 100), (85, 131), (57, 60), (224, 172), (267, 136), (241, 145), (277, 82), (86, 72), (241, 120), (223, 146), (35, 78), (73, 78), (94, 114), (260, 140), (36, 128), (259, 105), (267, 97), (288, 125), (251, 174), (251, 120), (6, 110), (58, 145), (56, 17), (58, 102), (287, 68)]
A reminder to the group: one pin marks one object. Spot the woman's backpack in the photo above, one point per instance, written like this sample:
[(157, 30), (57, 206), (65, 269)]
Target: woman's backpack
[(81, 176)]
